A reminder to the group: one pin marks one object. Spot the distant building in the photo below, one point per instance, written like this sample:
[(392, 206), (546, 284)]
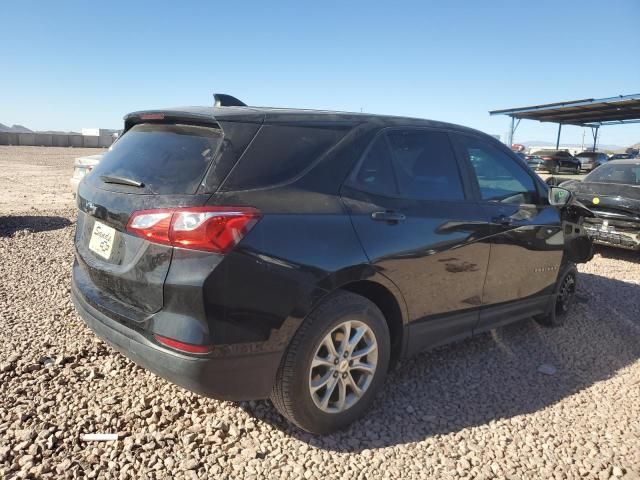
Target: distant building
[(98, 132), (536, 148)]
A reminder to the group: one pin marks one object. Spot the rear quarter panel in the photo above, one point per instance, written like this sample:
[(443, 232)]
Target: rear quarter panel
[(260, 293)]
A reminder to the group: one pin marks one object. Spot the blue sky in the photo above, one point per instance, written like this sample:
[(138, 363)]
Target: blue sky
[(68, 65)]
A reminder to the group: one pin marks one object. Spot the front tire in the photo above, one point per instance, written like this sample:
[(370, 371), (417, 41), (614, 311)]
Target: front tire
[(564, 297), (334, 366)]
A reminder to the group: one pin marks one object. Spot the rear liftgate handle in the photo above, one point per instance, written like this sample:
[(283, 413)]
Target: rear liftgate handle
[(388, 216)]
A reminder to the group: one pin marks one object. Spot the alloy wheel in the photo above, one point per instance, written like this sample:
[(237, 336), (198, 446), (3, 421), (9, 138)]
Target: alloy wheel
[(343, 366)]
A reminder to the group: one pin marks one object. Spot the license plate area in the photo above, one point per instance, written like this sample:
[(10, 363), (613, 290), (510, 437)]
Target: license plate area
[(102, 239)]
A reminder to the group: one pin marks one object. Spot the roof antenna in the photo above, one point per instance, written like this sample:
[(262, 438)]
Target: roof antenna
[(224, 100)]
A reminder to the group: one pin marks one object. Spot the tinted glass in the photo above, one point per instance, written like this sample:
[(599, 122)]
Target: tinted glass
[(375, 174), (167, 159), (424, 165), (280, 153), (500, 177), (587, 154), (611, 173)]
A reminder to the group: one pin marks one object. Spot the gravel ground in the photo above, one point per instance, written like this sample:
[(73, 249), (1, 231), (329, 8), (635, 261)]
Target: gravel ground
[(519, 402)]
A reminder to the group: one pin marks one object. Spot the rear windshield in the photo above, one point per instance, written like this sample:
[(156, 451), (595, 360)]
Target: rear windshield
[(588, 154), (167, 159), (546, 153)]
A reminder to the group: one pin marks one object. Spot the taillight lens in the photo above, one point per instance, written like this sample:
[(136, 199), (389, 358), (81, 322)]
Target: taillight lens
[(151, 224), (213, 229)]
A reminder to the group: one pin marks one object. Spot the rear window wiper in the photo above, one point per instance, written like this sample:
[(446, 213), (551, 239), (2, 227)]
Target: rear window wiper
[(121, 181)]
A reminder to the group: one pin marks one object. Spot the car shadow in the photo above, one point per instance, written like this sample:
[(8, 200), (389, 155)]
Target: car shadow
[(11, 224), (618, 253), (494, 375)]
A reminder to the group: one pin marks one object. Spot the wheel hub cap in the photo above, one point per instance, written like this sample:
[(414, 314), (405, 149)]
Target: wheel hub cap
[(343, 366)]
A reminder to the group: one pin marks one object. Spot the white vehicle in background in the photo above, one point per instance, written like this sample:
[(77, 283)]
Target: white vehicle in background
[(82, 166)]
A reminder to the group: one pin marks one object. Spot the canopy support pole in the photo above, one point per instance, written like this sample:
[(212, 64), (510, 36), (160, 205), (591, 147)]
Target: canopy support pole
[(558, 139), (512, 130), (594, 133)]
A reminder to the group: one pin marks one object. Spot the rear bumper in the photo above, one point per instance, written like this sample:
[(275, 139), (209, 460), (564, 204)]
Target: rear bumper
[(237, 377)]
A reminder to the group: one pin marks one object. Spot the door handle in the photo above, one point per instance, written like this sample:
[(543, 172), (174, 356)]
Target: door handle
[(502, 220), (388, 216)]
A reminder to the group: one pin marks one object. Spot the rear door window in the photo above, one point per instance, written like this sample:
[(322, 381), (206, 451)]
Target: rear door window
[(166, 159), (425, 166), (416, 164), (374, 174)]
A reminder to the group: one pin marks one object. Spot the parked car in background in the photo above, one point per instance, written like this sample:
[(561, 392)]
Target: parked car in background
[(534, 162), (521, 156), (590, 160), (612, 193), (622, 156), (557, 161), (247, 253), (82, 166)]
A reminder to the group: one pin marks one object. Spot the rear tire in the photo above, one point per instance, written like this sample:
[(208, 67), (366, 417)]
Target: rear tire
[(349, 378), (555, 169), (564, 296)]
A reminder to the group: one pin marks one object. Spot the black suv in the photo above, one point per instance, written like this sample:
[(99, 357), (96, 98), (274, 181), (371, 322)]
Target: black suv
[(249, 253), (557, 161)]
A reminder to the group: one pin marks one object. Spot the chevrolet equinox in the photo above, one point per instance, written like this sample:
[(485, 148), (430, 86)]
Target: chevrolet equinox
[(250, 253)]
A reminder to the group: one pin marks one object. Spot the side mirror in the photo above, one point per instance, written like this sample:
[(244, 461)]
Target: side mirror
[(559, 197)]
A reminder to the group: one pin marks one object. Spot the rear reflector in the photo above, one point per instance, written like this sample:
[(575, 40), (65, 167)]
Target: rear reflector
[(213, 229), (181, 346)]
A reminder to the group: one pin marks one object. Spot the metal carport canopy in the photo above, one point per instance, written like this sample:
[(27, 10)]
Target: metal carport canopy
[(588, 112)]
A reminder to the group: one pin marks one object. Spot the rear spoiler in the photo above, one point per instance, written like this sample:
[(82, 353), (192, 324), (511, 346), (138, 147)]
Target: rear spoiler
[(169, 116), (197, 115)]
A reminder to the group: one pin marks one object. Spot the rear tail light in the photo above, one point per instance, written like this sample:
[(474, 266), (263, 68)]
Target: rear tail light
[(181, 346), (213, 229)]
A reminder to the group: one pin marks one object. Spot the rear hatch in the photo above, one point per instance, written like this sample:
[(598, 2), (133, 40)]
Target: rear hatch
[(162, 161)]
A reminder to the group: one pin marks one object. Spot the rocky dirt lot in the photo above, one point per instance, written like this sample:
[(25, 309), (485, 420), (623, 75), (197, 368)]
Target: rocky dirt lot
[(519, 402)]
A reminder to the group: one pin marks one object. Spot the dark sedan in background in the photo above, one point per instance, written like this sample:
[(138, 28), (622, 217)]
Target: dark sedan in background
[(622, 156), (612, 193), (554, 161), (591, 160)]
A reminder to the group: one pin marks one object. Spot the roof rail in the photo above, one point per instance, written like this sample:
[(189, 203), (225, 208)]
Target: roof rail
[(224, 100)]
